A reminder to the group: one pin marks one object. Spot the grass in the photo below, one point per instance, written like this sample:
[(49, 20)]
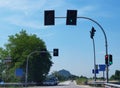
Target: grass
[(81, 81)]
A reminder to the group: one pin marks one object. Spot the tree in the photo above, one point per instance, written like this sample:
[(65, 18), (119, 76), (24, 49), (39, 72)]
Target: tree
[(116, 76), (19, 46)]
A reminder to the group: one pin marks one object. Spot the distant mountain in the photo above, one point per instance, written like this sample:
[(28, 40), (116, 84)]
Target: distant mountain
[(64, 73)]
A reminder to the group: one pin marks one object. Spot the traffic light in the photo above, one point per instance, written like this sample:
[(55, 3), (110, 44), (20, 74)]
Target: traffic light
[(43, 52), (71, 17), (106, 59), (110, 60), (92, 32), (55, 52), (49, 17)]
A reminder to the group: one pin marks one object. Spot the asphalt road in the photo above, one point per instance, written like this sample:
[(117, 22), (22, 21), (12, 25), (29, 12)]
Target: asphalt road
[(67, 84)]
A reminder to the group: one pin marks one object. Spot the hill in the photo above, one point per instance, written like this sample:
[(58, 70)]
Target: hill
[(64, 73)]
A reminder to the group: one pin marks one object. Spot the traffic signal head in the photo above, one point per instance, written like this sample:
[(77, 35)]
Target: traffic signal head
[(71, 17), (92, 32), (106, 59), (43, 52), (49, 17), (110, 59), (55, 52)]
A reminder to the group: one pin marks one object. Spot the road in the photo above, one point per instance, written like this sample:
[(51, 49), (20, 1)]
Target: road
[(67, 84)]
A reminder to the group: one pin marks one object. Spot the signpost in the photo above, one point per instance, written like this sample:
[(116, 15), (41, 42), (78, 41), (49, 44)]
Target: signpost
[(102, 67)]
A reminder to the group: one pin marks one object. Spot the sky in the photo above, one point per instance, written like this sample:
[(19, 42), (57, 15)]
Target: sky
[(74, 42)]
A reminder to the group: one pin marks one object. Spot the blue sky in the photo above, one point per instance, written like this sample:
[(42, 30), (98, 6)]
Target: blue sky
[(74, 43)]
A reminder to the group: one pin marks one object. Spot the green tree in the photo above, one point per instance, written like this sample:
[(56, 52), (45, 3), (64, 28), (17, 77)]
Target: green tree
[(19, 46), (116, 76), (3, 66)]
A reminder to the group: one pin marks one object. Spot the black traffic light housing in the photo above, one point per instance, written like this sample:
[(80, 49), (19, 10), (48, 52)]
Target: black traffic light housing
[(71, 17), (43, 52), (55, 52), (92, 32), (110, 60), (49, 17), (106, 59)]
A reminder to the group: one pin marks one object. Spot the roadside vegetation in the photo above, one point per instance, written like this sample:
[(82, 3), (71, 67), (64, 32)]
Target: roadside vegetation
[(82, 80), (17, 49), (116, 76)]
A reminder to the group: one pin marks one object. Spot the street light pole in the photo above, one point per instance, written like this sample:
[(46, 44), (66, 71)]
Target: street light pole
[(55, 53), (26, 75)]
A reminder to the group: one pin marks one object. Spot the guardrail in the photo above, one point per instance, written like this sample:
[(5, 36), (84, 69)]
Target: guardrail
[(110, 85), (104, 84), (16, 84)]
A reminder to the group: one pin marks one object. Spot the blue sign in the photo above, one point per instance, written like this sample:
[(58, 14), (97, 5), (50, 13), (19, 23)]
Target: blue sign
[(102, 67), (19, 72), (96, 71)]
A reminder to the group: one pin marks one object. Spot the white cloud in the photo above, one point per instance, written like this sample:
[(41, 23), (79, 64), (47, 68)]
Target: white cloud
[(23, 12), (21, 4), (85, 9), (21, 21)]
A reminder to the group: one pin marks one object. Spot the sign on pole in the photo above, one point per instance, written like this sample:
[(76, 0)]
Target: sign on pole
[(19, 72), (96, 71), (102, 67)]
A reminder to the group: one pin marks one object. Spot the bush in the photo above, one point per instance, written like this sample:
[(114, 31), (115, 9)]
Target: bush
[(81, 81)]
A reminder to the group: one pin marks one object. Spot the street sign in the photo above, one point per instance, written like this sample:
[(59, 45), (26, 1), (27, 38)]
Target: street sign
[(19, 72), (96, 71), (7, 60), (102, 67)]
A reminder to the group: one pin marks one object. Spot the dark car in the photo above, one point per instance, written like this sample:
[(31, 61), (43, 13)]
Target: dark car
[(51, 81)]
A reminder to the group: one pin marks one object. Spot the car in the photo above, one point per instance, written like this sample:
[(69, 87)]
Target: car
[(51, 81), (1, 81)]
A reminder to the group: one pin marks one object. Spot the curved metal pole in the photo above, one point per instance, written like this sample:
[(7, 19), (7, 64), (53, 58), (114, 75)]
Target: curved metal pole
[(94, 60), (26, 75), (106, 45)]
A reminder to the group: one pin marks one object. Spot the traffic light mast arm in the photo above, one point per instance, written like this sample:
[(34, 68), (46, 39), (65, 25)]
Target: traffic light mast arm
[(101, 29), (74, 23), (106, 45)]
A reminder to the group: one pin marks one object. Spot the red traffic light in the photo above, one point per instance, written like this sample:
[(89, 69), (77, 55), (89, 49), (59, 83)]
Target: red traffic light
[(106, 56), (106, 59)]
